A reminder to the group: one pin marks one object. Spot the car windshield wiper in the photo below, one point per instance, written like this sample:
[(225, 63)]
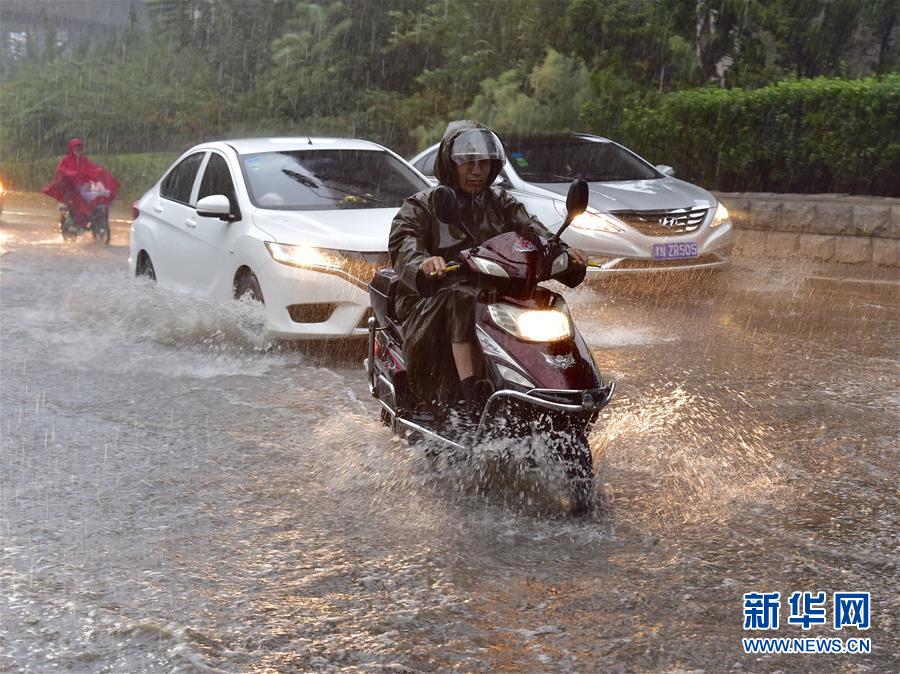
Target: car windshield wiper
[(326, 180), (349, 196), (546, 177), (302, 179), (345, 179)]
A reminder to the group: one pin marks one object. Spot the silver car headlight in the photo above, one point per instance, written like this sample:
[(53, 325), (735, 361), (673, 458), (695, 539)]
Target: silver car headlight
[(532, 325), (591, 220), (721, 217), (488, 267), (304, 256)]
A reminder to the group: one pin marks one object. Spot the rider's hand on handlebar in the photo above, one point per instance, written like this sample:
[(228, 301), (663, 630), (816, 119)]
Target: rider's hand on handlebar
[(434, 266), (578, 256)]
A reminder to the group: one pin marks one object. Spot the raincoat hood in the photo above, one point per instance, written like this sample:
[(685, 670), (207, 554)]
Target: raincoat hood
[(445, 167)]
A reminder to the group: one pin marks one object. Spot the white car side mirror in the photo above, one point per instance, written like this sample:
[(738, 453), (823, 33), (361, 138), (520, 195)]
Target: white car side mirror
[(214, 206), (667, 171), (502, 181)]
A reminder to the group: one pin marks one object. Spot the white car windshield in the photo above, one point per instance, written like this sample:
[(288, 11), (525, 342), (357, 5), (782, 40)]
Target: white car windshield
[(561, 160), (328, 179)]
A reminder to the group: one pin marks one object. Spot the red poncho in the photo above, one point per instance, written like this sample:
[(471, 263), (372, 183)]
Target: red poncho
[(81, 183)]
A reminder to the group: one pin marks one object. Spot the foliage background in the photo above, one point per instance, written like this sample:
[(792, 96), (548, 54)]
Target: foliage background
[(779, 95)]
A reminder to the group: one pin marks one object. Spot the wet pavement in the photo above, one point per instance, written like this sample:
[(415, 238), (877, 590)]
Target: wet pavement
[(180, 494)]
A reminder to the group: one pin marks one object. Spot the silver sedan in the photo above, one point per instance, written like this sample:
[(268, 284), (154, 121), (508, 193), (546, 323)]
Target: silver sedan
[(640, 217)]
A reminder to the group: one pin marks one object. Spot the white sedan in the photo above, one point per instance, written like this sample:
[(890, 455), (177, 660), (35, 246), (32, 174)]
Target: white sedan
[(640, 217), (299, 224)]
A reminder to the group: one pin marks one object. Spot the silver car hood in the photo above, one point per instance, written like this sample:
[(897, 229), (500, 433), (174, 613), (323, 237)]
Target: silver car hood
[(640, 195), (361, 229)]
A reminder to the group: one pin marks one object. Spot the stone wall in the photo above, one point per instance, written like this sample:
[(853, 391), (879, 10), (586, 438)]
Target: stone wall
[(820, 227)]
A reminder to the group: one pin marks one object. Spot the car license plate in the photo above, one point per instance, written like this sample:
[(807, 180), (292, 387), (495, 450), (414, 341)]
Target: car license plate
[(674, 251)]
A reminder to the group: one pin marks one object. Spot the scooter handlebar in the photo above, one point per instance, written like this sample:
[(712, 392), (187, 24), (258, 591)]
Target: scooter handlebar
[(453, 266)]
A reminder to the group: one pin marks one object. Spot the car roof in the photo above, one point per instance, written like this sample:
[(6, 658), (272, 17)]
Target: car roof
[(549, 137), (255, 145), (516, 138)]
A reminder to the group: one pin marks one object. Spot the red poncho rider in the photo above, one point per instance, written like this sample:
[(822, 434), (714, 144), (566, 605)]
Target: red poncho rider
[(81, 183)]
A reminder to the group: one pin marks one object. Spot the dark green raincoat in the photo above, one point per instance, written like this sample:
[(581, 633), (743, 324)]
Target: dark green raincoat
[(431, 324)]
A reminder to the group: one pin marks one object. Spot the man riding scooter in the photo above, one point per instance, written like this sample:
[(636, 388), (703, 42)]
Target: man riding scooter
[(436, 310)]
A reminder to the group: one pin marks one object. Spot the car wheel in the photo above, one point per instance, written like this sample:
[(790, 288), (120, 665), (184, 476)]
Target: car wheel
[(144, 268), (247, 285)]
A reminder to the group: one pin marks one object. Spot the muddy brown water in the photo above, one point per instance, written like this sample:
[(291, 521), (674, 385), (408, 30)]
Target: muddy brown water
[(179, 494)]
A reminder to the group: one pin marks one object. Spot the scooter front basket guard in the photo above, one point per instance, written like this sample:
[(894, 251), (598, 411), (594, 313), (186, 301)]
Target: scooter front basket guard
[(599, 399)]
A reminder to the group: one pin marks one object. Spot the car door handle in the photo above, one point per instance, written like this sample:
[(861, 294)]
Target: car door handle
[(190, 222), (158, 209)]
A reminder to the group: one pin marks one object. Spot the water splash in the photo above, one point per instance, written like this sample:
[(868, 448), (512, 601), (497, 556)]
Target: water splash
[(158, 330), (686, 456)]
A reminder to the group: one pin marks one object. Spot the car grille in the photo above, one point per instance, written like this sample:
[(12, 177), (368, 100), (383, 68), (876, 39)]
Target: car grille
[(664, 223), (311, 313)]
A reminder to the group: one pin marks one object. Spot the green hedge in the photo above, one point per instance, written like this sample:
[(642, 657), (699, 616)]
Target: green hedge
[(808, 136), (136, 173)]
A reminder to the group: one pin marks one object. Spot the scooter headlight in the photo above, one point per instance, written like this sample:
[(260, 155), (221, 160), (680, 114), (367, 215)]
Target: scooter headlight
[(304, 256), (560, 264), (488, 267), (547, 325), (514, 377)]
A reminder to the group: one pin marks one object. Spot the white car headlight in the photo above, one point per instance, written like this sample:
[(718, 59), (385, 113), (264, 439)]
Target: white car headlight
[(488, 267), (721, 216), (548, 325), (304, 256)]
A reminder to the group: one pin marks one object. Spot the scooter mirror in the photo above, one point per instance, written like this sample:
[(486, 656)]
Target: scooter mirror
[(577, 199), (576, 204), (446, 206)]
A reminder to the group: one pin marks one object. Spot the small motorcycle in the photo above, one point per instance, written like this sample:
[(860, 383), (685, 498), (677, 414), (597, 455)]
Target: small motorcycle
[(542, 376), (71, 225), (97, 224)]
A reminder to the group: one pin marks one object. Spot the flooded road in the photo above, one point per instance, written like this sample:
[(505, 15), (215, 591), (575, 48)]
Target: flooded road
[(179, 494)]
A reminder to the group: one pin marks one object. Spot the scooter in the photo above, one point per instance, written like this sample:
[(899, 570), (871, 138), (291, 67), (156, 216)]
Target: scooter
[(96, 197), (98, 224), (542, 376)]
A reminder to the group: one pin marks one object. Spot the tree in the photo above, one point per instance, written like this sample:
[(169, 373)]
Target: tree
[(549, 99), (156, 97), (235, 35)]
